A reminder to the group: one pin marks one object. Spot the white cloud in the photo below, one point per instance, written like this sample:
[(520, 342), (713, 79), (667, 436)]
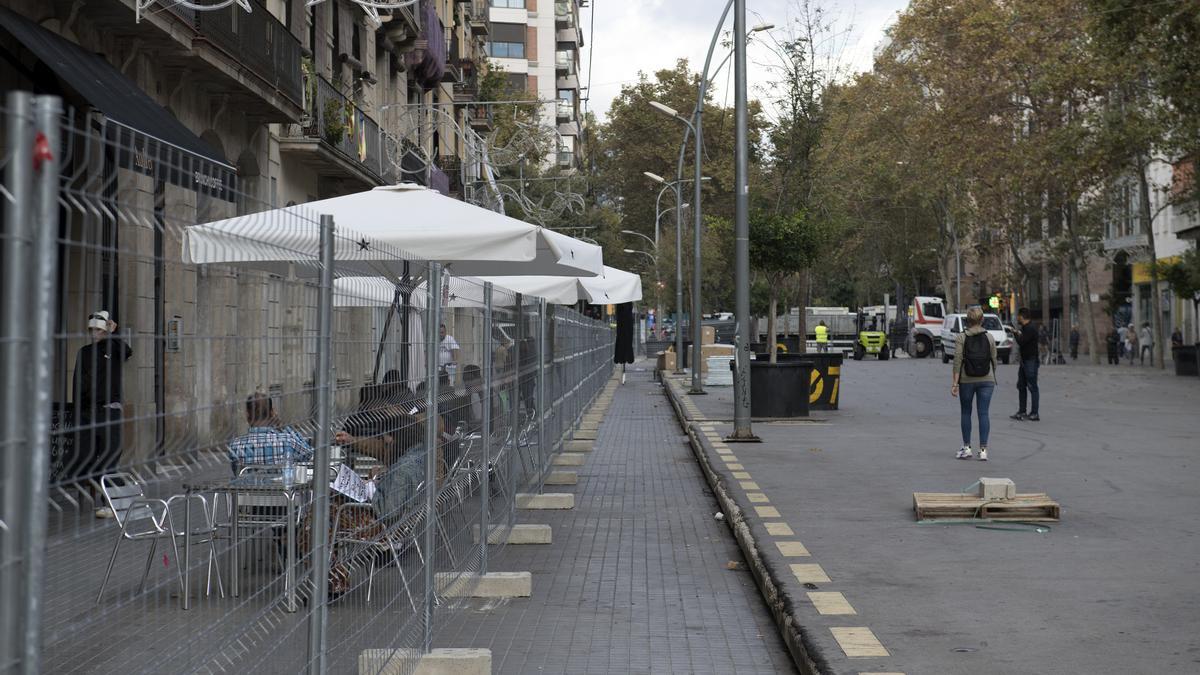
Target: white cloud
[(649, 35)]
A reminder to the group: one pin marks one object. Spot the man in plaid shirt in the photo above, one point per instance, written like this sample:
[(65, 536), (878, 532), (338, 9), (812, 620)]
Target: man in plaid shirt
[(266, 442)]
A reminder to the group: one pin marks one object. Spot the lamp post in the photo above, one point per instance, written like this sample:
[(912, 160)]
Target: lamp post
[(657, 283), (697, 232), (670, 112), (741, 231), (678, 245)]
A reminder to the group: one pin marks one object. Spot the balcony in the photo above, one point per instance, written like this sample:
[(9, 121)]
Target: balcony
[(566, 160), (480, 23), (480, 118), (1126, 241), (564, 14), (564, 62), (564, 110), (336, 138), (251, 56)]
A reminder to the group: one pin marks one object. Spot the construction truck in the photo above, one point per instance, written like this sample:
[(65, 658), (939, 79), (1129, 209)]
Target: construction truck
[(925, 317)]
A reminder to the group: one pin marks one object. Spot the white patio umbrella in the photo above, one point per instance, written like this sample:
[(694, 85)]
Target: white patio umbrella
[(613, 286), (378, 228)]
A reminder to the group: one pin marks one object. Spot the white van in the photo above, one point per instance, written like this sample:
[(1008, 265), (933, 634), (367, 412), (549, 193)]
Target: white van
[(956, 323)]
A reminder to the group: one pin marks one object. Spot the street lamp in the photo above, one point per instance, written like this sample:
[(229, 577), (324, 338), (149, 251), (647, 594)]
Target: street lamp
[(670, 112), (741, 229), (657, 283)]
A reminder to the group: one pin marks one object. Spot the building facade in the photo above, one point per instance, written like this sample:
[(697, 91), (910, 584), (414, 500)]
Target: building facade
[(538, 43), (185, 116)]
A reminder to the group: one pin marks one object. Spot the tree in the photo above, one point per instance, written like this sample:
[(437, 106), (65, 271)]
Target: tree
[(780, 244), (1184, 277)]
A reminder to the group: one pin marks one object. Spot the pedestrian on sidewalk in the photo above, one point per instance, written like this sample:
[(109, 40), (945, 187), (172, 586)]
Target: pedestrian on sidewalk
[(1074, 342), (448, 350), (1131, 343), (1122, 341), (1114, 347), (1027, 376), (1146, 340), (822, 332), (99, 403), (975, 378)]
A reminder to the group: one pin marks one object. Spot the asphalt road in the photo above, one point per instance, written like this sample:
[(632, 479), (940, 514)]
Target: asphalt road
[(1113, 588)]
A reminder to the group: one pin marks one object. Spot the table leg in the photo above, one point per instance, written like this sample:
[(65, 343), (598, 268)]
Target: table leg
[(290, 576), (234, 528), (186, 593)]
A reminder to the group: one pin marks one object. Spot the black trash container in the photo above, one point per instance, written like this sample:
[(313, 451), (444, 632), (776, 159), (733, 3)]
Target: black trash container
[(778, 390), (826, 380), (1185, 360)]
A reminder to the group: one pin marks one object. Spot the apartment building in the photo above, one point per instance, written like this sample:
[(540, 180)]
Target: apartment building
[(538, 43), (283, 104)]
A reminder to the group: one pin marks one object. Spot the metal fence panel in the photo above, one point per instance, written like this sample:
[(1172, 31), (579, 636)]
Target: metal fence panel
[(151, 519)]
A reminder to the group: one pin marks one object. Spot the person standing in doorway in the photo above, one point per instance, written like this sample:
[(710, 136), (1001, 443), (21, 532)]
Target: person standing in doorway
[(98, 386), (1027, 376), (1074, 338), (975, 378), (822, 337), (448, 353), (1146, 340)]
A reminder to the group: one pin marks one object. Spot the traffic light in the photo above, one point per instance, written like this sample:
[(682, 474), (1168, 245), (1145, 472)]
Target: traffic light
[(994, 302)]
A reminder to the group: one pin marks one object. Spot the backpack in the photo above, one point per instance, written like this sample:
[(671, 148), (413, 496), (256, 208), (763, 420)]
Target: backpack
[(977, 355)]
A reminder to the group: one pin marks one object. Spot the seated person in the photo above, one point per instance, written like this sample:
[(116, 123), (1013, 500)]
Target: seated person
[(267, 440)]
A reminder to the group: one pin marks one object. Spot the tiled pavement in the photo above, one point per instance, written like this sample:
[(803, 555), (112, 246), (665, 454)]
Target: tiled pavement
[(639, 578)]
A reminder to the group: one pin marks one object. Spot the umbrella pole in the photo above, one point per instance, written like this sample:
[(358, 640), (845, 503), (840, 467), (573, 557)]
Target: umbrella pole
[(387, 324)]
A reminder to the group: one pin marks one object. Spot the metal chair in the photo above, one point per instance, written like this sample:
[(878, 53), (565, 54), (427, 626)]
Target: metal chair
[(143, 518), (259, 515), (394, 540)]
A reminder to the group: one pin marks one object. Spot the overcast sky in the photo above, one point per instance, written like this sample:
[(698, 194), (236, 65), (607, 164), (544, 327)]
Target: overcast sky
[(647, 35)]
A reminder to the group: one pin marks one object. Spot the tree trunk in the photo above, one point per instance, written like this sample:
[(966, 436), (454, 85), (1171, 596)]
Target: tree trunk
[(1085, 291), (771, 323), (1155, 297), (802, 311)]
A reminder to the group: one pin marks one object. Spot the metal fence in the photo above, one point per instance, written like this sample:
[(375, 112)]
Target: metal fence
[(171, 432)]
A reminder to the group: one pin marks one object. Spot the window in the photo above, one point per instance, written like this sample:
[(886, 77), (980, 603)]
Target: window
[(517, 82), (509, 4), (931, 310), (508, 41), (992, 322), (506, 50)]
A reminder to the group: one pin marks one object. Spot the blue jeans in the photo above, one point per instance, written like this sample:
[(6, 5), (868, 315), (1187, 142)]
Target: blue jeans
[(1027, 382), (982, 393)]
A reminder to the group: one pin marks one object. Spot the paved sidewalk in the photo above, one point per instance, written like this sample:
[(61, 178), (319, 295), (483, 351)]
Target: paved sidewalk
[(637, 579), (1110, 589)]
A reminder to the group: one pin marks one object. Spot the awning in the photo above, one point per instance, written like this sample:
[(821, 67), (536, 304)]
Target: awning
[(149, 138), (378, 227), (613, 286)]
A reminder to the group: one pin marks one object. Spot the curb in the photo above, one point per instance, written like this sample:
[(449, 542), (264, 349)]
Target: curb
[(806, 656)]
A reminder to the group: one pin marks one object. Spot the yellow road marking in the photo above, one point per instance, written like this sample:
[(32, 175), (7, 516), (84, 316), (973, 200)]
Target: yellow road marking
[(767, 511), (729, 458), (790, 549), (858, 641), (733, 466), (810, 573), (748, 485), (779, 529), (724, 451), (757, 498), (830, 602), (741, 475)]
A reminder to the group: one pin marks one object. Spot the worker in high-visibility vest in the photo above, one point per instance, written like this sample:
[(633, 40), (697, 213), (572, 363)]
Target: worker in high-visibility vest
[(822, 337)]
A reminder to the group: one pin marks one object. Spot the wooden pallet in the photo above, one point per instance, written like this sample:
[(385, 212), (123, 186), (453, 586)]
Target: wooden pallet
[(1033, 508)]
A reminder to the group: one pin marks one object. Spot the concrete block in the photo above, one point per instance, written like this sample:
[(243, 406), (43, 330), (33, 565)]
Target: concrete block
[(436, 662), (568, 459), (546, 501), (585, 434), (517, 534), (490, 585), (578, 446), (562, 478), (997, 488)]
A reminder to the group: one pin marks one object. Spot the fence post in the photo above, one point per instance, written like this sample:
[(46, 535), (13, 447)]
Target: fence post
[(18, 247), (433, 306), (485, 405), (515, 408), (540, 400), (47, 111), (320, 482)]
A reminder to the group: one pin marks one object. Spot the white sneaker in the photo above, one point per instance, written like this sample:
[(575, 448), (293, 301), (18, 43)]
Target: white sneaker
[(964, 452), (104, 512), (983, 454)]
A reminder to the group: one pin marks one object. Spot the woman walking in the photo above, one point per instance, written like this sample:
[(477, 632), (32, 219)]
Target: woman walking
[(975, 378)]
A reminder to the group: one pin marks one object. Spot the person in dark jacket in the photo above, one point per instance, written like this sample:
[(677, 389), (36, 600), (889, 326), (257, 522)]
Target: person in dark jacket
[(1074, 342), (1027, 377), (1114, 348), (98, 386)]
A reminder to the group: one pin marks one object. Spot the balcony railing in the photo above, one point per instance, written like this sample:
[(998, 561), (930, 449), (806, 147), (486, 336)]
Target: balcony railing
[(258, 41), (564, 110), (343, 126), (566, 160), (564, 61)]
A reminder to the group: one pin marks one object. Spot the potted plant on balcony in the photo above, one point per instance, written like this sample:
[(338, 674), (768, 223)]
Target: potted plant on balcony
[(335, 121), (1184, 277)]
